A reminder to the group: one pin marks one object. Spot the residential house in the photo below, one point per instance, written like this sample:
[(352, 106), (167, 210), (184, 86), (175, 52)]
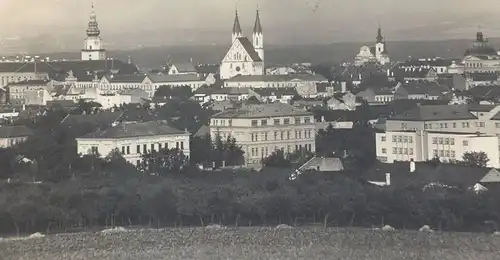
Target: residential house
[(323, 164), (192, 80), (133, 139), (440, 65), (481, 79), (420, 90), (182, 69), (375, 96), (346, 101), (412, 74), (271, 95), (428, 175), (263, 128), (18, 92), (10, 135), (204, 70)]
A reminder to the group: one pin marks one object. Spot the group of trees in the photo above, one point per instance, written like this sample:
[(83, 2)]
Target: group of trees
[(114, 193), (221, 152)]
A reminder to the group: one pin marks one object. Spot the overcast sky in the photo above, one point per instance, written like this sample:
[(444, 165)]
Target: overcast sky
[(333, 20)]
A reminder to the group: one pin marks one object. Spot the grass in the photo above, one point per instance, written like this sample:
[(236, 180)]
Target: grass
[(256, 243)]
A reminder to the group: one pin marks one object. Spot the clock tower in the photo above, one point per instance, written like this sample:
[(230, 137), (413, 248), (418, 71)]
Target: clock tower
[(92, 49)]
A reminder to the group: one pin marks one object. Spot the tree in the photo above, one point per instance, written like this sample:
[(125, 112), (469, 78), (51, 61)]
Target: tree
[(277, 159), (201, 149), (479, 159), (163, 161), (181, 92)]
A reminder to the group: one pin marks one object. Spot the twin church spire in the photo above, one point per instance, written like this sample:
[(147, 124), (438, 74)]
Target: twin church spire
[(237, 32)]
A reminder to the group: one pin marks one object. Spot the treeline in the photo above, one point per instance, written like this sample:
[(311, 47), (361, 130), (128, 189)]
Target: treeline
[(111, 192)]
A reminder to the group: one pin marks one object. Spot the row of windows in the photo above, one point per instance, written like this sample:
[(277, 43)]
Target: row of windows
[(126, 149), (399, 139), (443, 153), (265, 151), (441, 140), (280, 135), (395, 150), (286, 121), (454, 125)]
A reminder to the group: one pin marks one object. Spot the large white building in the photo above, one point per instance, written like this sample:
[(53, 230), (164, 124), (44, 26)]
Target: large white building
[(373, 54), (132, 139), (261, 129), (244, 57), (445, 131), (92, 48)]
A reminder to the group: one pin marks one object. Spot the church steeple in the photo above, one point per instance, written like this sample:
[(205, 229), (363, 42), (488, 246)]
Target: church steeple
[(93, 29), (257, 28), (236, 27), (380, 38)]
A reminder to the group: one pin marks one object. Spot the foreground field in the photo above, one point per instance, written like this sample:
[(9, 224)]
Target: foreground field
[(256, 243)]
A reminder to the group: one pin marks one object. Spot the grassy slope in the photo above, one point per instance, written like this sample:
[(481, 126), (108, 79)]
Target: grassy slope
[(256, 243)]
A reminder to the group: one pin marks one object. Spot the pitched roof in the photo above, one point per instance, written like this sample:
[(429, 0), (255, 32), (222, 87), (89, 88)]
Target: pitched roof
[(262, 110), (248, 46), (184, 67), (275, 91), (155, 78), (65, 66), (323, 164), (419, 88), (207, 68), (230, 91), (236, 25), (29, 83), (435, 62), (126, 78), (425, 173), (135, 129), (101, 119), (278, 78), (12, 131), (484, 76), (257, 28), (202, 131), (435, 112)]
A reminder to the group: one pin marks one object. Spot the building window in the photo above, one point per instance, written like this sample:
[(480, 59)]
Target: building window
[(434, 152), (441, 153), (400, 150), (454, 125), (166, 145), (307, 120), (282, 135), (440, 140), (263, 122), (145, 148), (177, 145), (276, 121), (400, 138), (138, 148), (481, 124), (465, 143), (254, 123), (286, 121), (182, 145), (497, 125), (405, 139), (394, 139), (152, 147), (452, 141), (94, 150), (288, 133), (128, 149), (382, 138), (394, 150), (452, 154), (275, 135), (446, 141), (123, 149), (384, 151), (410, 139), (411, 151)]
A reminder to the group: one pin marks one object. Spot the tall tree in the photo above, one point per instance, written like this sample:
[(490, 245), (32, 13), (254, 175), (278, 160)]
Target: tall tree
[(164, 161), (479, 159)]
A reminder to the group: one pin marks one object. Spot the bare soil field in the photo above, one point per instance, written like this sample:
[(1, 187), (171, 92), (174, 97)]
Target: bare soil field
[(255, 243)]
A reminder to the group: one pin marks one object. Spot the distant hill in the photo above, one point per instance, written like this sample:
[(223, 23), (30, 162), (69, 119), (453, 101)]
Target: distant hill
[(151, 57)]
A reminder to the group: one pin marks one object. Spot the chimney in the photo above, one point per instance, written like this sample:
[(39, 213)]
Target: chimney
[(24, 107), (412, 166), (388, 179), (223, 164), (213, 164)]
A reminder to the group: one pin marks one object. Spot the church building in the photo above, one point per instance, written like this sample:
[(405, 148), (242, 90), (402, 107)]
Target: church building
[(244, 57), (92, 49), (373, 54)]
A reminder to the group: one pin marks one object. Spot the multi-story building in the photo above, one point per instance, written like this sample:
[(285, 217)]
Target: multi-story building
[(445, 131), (261, 129), (132, 139), (11, 135)]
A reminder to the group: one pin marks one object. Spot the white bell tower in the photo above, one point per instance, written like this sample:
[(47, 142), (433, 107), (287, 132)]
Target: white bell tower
[(92, 49)]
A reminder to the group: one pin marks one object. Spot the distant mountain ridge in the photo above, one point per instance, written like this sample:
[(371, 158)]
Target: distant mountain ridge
[(152, 57)]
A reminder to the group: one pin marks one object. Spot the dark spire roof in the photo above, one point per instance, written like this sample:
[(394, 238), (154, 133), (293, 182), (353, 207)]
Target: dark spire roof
[(236, 26), (480, 37), (257, 28), (379, 35), (93, 29), (480, 47)]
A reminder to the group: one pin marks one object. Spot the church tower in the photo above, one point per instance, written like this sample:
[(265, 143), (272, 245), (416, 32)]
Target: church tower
[(92, 49), (258, 37), (380, 45), (236, 28)]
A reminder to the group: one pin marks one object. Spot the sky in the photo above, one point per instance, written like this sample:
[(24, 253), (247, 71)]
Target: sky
[(333, 20)]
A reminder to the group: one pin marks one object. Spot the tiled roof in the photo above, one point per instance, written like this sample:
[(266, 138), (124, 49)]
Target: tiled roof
[(485, 92), (102, 119), (184, 67), (416, 73), (135, 129), (480, 108), (324, 164), (278, 78), (155, 78), (230, 91), (126, 78), (484, 76), (207, 68), (275, 91), (435, 113), (248, 46), (65, 66), (435, 62), (203, 131), (422, 88), (29, 83), (425, 173), (12, 131), (262, 110)]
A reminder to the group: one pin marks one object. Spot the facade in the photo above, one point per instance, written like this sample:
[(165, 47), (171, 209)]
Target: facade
[(244, 57), (425, 145), (28, 92), (373, 54), (13, 134), (132, 139), (479, 125), (182, 69), (439, 65), (92, 48), (263, 128)]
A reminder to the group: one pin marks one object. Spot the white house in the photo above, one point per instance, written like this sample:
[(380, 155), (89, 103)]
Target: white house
[(133, 139)]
